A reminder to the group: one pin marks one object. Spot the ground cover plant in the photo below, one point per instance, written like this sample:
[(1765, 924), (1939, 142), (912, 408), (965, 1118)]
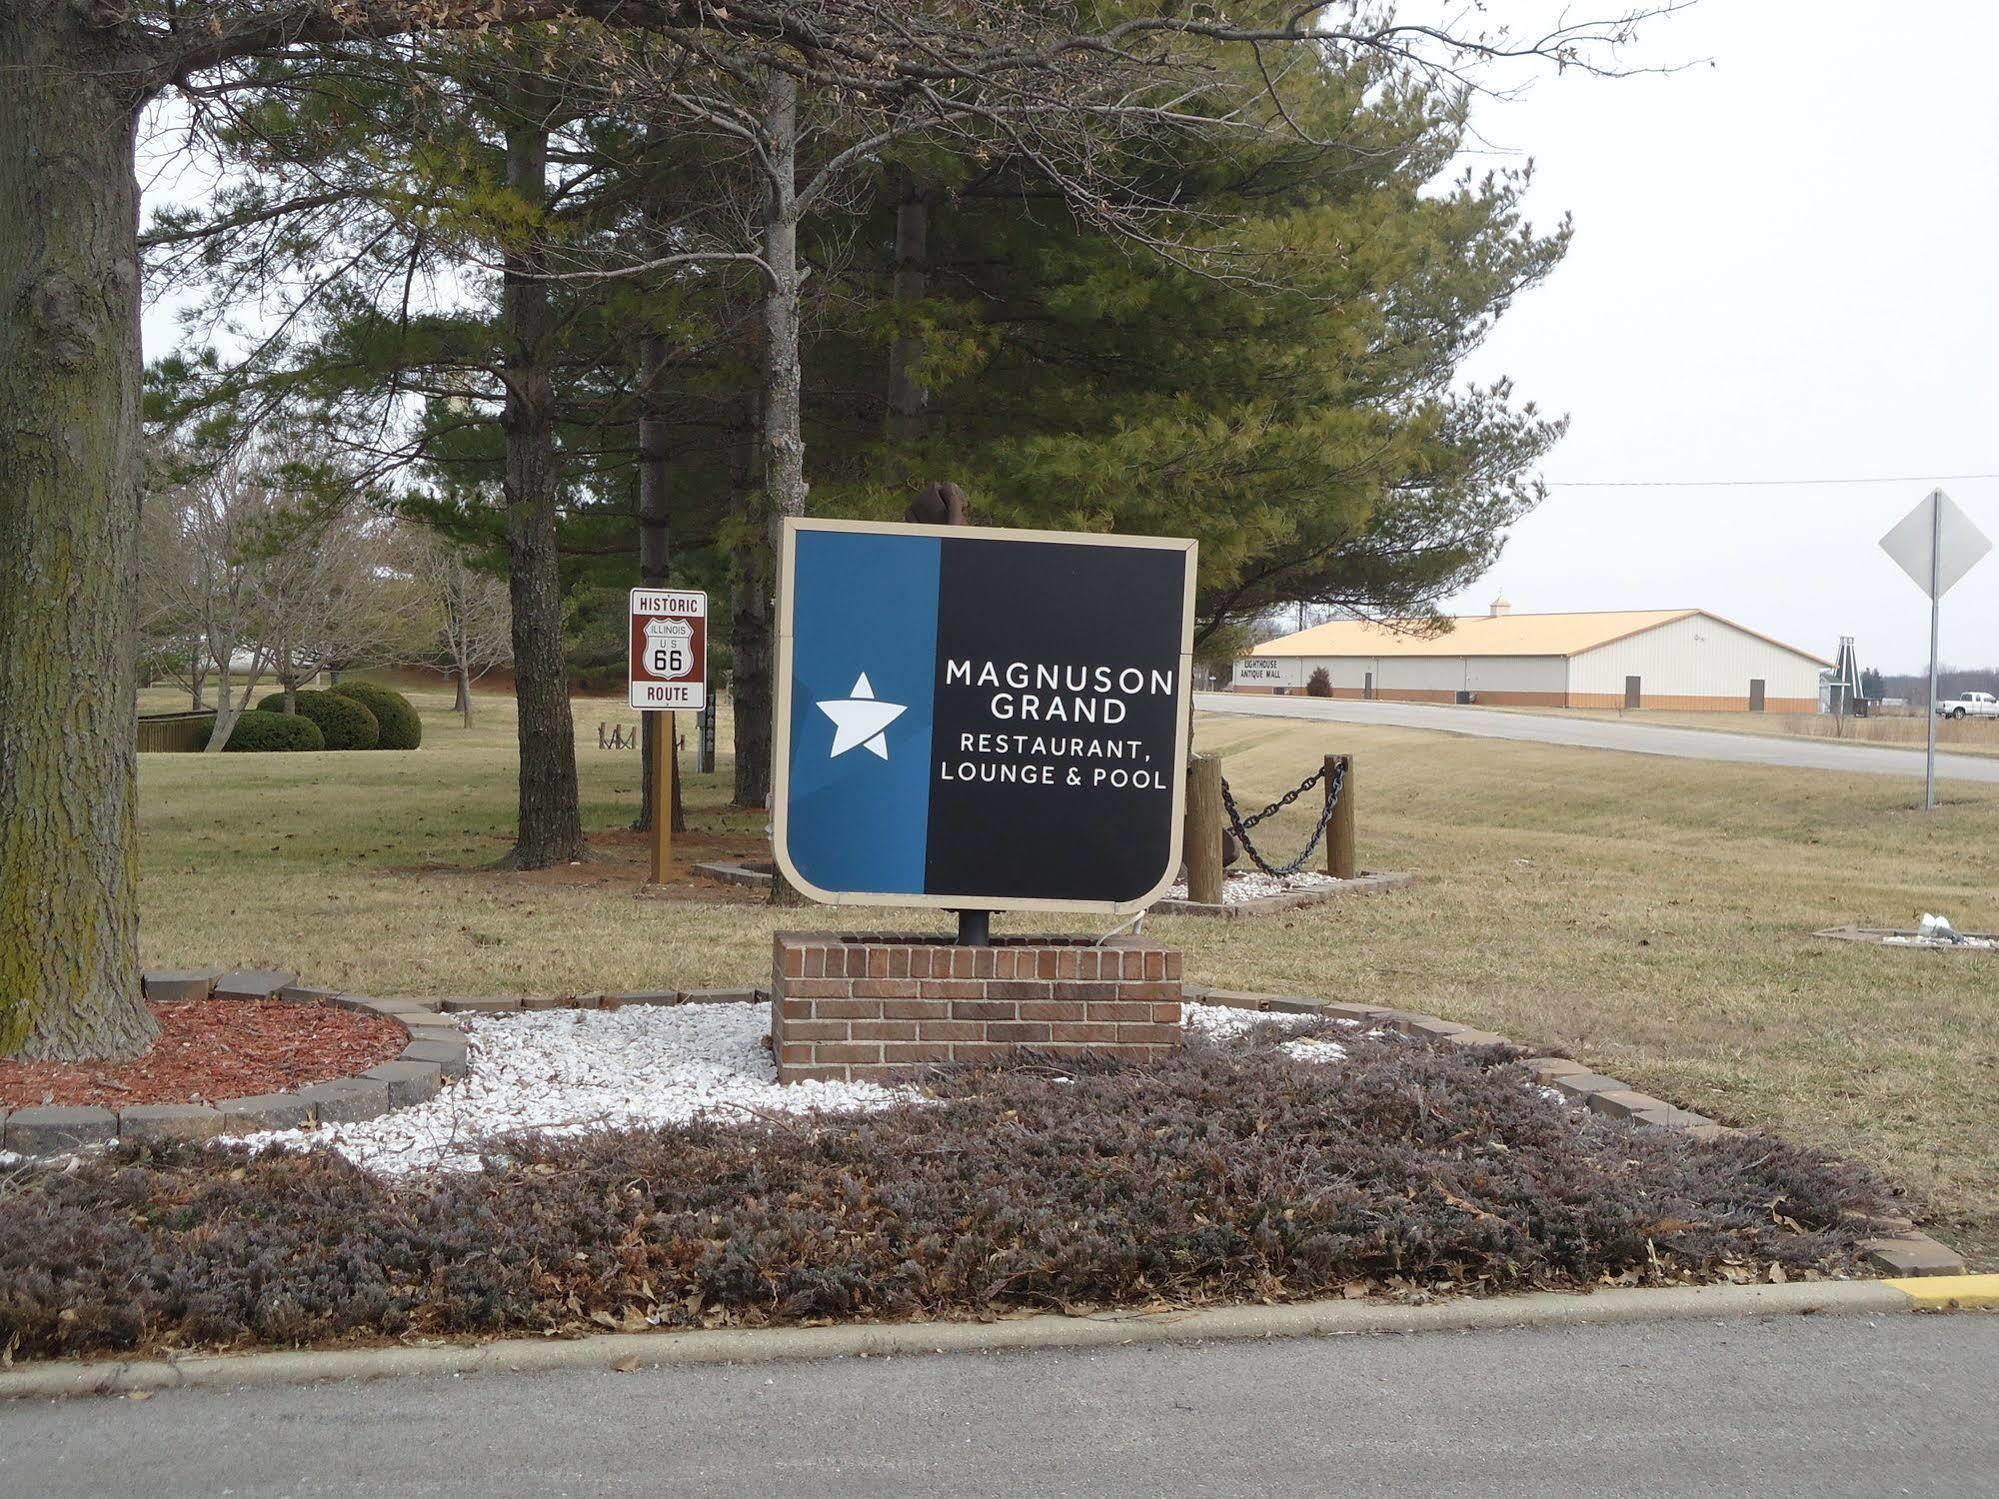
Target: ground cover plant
[(1229, 1173), (1651, 916)]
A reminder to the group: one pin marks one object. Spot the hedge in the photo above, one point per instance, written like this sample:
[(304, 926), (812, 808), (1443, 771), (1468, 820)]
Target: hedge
[(344, 723), (1319, 684), (401, 728), (257, 731)]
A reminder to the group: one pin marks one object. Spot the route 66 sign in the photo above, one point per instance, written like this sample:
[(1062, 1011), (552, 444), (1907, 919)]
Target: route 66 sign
[(669, 650)]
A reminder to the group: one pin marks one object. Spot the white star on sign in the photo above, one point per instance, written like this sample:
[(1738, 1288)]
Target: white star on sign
[(859, 719)]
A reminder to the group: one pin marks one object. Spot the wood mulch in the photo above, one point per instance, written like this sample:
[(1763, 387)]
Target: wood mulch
[(208, 1050)]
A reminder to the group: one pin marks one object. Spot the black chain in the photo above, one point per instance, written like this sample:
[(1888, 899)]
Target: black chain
[(1240, 825)]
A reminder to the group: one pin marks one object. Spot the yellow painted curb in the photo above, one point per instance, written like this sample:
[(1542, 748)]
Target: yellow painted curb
[(1936, 1293)]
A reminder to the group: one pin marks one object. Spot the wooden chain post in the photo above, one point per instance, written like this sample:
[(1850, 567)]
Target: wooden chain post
[(1203, 838), (1339, 831), (662, 796)]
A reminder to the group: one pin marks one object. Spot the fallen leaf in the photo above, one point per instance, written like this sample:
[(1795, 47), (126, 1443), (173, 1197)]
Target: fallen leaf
[(626, 1364)]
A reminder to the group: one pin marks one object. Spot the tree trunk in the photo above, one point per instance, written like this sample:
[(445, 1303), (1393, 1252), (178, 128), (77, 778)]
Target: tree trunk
[(69, 519), (783, 435), (551, 822), (906, 395), (750, 630), (463, 706), (655, 556)]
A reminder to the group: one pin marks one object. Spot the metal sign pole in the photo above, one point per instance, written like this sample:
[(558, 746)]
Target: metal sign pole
[(1936, 602)]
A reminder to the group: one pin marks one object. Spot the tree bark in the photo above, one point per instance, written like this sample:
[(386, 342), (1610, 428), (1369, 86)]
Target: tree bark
[(69, 517), (783, 435), (655, 553), (750, 630), (551, 822), (906, 395)]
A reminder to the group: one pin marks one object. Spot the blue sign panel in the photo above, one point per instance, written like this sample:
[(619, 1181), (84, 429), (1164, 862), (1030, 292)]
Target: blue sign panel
[(981, 719)]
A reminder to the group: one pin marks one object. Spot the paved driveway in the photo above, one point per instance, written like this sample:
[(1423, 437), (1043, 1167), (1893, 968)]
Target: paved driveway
[(1814, 1407), (1632, 735)]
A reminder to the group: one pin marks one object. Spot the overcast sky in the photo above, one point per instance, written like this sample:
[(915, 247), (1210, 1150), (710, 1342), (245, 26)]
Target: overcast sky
[(1784, 268)]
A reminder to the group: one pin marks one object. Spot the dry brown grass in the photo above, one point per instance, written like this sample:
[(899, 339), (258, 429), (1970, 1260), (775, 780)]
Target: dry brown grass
[(1961, 736), (1651, 915)]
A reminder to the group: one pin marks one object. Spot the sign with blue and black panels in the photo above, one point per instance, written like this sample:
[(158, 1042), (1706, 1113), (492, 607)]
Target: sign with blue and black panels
[(981, 719)]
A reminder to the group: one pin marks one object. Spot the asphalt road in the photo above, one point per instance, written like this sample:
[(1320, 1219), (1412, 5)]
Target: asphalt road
[(1816, 1407), (1612, 734)]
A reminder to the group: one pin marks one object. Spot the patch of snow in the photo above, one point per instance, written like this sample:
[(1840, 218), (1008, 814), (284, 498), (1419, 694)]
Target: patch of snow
[(567, 1072), (1238, 888), (1226, 1023)]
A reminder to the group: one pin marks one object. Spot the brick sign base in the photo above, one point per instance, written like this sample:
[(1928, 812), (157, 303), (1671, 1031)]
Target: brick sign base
[(861, 1005)]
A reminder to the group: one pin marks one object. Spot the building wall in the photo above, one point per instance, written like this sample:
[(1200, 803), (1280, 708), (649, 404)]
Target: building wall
[(1527, 681), (1698, 663)]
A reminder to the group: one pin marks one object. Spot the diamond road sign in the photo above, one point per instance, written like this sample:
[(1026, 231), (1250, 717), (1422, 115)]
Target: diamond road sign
[(1957, 546), (979, 719)]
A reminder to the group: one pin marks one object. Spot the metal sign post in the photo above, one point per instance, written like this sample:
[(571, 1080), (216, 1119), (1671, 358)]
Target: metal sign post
[(668, 672), (1935, 544)]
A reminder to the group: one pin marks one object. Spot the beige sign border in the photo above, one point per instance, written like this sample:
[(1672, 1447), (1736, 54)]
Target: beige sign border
[(969, 900)]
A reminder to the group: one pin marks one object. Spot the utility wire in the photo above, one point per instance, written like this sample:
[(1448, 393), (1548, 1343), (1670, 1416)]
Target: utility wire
[(1754, 483)]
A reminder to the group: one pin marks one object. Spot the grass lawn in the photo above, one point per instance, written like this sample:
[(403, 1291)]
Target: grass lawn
[(1653, 916)]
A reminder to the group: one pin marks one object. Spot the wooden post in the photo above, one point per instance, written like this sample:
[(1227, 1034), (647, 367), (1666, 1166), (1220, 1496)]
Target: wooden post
[(1339, 831), (662, 796), (1203, 839)]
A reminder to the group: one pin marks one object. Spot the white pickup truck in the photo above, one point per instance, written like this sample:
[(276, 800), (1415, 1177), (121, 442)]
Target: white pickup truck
[(1971, 705)]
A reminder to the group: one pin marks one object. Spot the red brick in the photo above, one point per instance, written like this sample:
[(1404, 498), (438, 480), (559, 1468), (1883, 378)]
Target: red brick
[(1051, 1009), (884, 1030), (850, 1051), (1144, 990), (983, 1009), (898, 962), (1065, 963), (954, 989), (919, 962), (816, 1030), (982, 963), (1079, 1033), (1126, 1011), (1158, 1035), (962, 966), (1094, 992), (1045, 963), (951, 1030), (1166, 1014), (813, 962), (816, 988), (878, 962), (790, 1054), (847, 1009), (1017, 1030), (886, 988), (1155, 965), (791, 963), (1134, 965), (915, 1009), (1004, 961), (1020, 989), (903, 1053), (1174, 961), (1089, 964)]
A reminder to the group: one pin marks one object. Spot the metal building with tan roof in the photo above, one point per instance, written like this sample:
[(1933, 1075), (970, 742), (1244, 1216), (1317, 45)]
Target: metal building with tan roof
[(1624, 658)]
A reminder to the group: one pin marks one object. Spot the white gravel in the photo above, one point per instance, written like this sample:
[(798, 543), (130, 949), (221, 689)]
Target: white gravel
[(565, 1072), (1237, 888), (1226, 1023)]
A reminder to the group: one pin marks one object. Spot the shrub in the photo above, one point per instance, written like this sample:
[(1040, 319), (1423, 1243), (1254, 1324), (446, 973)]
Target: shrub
[(401, 728), (257, 731), (1319, 684), (344, 723)]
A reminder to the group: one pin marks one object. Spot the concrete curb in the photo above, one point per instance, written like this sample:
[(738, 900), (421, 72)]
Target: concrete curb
[(1109, 1329)]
